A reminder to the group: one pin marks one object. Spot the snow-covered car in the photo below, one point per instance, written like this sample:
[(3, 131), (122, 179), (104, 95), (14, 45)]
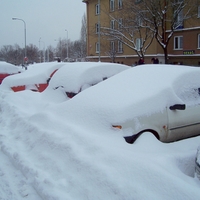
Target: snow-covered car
[(7, 69), (197, 163), (75, 77), (161, 99), (36, 78)]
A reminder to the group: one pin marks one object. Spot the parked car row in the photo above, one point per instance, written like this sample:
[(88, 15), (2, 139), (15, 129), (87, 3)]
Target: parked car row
[(75, 76), (161, 99), (36, 78)]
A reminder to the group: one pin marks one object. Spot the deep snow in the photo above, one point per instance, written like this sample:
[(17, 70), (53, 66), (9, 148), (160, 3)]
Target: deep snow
[(49, 152)]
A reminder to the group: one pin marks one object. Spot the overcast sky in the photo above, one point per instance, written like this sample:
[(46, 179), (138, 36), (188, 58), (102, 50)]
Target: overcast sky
[(45, 19)]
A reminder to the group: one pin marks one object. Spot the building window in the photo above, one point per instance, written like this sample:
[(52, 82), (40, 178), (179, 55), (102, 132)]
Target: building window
[(120, 4), (199, 11), (120, 47), (97, 47), (179, 20), (178, 42), (97, 9), (112, 5), (112, 24), (112, 46), (138, 44), (178, 14), (198, 41), (97, 27), (120, 23)]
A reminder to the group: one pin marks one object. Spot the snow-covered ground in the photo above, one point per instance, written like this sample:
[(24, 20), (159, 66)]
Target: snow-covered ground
[(49, 152)]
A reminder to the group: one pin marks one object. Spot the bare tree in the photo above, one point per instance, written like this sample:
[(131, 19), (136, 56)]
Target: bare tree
[(6, 52), (50, 53), (14, 54), (18, 55), (32, 53), (164, 17), (129, 28), (110, 48), (61, 49), (83, 37)]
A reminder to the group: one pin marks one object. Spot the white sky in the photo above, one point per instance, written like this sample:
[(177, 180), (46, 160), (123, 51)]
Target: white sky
[(47, 20), (66, 149)]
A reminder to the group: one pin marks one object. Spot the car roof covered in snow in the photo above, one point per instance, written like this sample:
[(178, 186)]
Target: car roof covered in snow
[(7, 68), (80, 75), (35, 74), (140, 90)]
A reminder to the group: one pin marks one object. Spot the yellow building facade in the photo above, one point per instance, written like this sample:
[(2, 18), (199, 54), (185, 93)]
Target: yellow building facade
[(183, 48)]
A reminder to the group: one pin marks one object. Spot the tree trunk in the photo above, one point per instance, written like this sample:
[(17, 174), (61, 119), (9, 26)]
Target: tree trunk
[(166, 55)]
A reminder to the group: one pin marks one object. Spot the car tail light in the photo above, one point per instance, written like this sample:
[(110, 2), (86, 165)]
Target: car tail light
[(117, 126)]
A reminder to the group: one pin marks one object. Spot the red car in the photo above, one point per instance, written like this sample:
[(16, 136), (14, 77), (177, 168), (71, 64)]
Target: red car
[(7, 69), (35, 78)]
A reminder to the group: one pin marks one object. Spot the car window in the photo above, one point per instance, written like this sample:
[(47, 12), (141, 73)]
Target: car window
[(190, 96)]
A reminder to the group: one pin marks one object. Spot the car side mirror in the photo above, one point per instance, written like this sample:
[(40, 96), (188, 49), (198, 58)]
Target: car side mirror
[(177, 107)]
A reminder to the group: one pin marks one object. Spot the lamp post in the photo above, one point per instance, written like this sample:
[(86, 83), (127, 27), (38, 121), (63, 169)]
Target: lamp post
[(14, 18), (67, 45), (99, 34)]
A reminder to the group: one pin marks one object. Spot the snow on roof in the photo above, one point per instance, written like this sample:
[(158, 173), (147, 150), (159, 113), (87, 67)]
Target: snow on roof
[(36, 73), (7, 68), (78, 75)]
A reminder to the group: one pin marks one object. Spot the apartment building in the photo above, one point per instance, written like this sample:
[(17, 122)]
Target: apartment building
[(183, 47)]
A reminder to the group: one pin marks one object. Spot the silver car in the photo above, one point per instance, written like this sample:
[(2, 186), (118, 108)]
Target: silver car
[(161, 99), (175, 122), (175, 107)]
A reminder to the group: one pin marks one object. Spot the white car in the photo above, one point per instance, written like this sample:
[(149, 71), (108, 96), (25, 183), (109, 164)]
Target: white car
[(73, 78), (161, 99), (179, 117)]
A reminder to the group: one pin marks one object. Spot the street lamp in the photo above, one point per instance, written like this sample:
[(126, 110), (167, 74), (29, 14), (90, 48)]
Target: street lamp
[(67, 44), (99, 34), (25, 57)]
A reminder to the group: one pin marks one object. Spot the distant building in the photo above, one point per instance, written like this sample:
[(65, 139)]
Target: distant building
[(183, 48)]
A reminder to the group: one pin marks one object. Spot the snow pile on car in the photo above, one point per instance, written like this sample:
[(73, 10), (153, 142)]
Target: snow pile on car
[(141, 90), (37, 73), (77, 75), (7, 68)]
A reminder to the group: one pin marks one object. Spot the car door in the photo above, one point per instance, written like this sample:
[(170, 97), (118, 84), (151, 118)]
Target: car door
[(184, 119)]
